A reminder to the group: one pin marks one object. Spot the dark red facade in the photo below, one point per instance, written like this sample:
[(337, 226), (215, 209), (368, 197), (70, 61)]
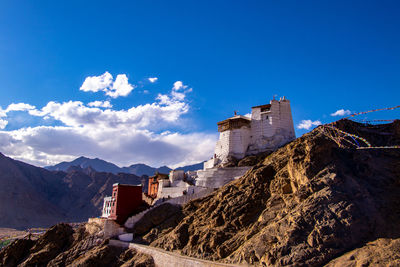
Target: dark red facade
[(153, 184), (126, 200)]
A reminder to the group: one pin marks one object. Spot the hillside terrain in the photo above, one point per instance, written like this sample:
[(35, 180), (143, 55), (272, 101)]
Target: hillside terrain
[(309, 203), (35, 197), (63, 245), (305, 204)]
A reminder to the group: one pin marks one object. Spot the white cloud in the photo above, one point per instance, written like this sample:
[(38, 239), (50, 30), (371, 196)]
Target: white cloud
[(104, 82), (178, 85), (3, 124), (175, 94), (121, 87), (101, 104), (146, 91), (49, 145), (153, 80), (154, 115), (3, 113), (19, 107), (341, 112), (97, 83), (307, 124), (138, 134)]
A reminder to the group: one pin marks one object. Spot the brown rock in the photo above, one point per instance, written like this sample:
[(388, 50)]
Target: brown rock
[(381, 252), (48, 246), (304, 204), (12, 254), (63, 246)]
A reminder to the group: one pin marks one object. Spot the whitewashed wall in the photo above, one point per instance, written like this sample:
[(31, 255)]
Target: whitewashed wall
[(269, 130)]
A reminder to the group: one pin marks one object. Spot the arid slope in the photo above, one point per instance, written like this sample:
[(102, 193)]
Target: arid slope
[(35, 197), (304, 204)]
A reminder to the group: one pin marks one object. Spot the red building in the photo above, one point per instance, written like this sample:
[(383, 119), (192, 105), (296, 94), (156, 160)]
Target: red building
[(125, 200), (153, 184)]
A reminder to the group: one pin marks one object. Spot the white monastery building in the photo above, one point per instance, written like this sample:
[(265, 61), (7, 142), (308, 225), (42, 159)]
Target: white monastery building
[(270, 127)]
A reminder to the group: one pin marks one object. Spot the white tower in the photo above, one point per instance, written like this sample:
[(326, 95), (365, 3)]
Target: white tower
[(270, 127)]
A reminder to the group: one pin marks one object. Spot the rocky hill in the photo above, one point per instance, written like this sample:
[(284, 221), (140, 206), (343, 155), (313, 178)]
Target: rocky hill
[(303, 205), (62, 245), (309, 203), (35, 197)]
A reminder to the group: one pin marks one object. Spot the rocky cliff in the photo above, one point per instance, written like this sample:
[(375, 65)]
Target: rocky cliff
[(304, 205)]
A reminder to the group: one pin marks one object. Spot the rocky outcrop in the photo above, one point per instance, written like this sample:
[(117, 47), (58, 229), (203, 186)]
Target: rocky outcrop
[(304, 204), (54, 241), (381, 252), (158, 220), (64, 246), (11, 255)]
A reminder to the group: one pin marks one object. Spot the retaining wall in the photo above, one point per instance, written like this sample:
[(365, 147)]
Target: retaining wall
[(164, 258)]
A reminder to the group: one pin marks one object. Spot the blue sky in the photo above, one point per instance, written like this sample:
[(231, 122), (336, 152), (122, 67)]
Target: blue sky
[(229, 55)]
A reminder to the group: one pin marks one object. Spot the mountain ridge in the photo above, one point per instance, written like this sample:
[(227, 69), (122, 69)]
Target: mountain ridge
[(31, 196), (100, 165)]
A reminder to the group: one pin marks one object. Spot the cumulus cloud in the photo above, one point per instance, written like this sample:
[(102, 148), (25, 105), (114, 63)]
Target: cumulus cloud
[(3, 113), (178, 85), (3, 124), (104, 82), (46, 145), (120, 87), (177, 95), (179, 91), (101, 104), (126, 136), (307, 124), (153, 80), (19, 107), (341, 112), (97, 83), (75, 113)]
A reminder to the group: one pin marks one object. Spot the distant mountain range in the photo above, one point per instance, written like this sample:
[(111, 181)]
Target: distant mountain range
[(70, 191), (105, 166), (31, 196)]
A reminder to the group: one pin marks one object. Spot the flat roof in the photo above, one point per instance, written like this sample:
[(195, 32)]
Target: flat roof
[(237, 117), (126, 184), (263, 106)]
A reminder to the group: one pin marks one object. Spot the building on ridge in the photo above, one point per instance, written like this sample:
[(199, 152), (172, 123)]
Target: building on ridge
[(125, 200), (176, 184), (154, 183), (269, 127)]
